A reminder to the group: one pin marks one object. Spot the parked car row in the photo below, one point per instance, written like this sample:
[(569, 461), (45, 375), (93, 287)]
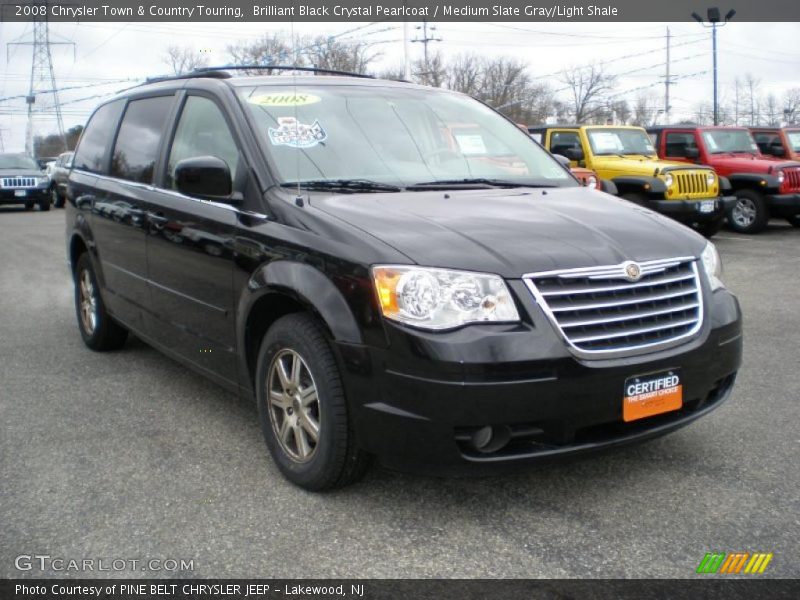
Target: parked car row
[(700, 176), (31, 182)]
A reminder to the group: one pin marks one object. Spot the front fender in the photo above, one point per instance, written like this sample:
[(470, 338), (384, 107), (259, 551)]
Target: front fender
[(640, 184), (754, 181), (308, 285)]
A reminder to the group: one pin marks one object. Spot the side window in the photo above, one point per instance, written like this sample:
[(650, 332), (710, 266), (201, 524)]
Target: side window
[(677, 144), (561, 141), (97, 137), (202, 131), (136, 150)]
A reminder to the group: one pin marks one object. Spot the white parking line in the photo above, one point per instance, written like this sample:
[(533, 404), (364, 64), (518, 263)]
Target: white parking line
[(735, 239)]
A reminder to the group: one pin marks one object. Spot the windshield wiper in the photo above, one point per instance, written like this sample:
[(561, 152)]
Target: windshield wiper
[(350, 185), (471, 182)]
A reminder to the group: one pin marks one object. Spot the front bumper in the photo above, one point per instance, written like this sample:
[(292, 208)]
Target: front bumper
[(8, 196), (417, 403), (689, 211), (784, 205)]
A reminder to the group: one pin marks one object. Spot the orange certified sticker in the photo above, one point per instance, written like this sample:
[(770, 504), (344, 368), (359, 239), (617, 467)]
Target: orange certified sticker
[(648, 395)]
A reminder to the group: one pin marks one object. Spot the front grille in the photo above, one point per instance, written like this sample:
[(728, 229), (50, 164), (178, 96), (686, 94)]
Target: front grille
[(691, 183), (600, 310), (19, 182), (792, 176)]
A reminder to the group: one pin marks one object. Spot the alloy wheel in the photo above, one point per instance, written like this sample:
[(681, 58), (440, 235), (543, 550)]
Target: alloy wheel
[(744, 212), (293, 405), (88, 302)]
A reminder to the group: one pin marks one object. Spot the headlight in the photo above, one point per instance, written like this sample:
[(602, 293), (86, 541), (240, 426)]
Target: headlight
[(441, 298), (712, 266), (781, 176), (710, 178), (42, 181), (591, 181), (668, 179)]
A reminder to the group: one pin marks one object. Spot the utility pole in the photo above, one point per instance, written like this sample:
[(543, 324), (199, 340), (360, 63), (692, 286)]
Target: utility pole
[(426, 39), (667, 82), (43, 78), (406, 58)]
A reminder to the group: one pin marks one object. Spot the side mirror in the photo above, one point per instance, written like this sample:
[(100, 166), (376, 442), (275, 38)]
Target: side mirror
[(562, 159), (205, 177), (692, 153), (575, 154)]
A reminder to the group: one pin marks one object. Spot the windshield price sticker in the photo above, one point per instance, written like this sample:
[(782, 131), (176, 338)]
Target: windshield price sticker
[(606, 141), (471, 144), (291, 132)]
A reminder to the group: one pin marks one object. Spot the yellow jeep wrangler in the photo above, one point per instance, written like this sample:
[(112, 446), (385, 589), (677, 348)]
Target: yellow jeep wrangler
[(691, 194)]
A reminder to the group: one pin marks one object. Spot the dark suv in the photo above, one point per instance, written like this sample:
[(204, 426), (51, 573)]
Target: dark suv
[(22, 181), (390, 270)]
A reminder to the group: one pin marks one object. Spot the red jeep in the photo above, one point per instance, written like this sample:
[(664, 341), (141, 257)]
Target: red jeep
[(779, 142), (765, 186)]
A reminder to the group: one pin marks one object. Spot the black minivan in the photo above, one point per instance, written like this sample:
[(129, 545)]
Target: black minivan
[(390, 271)]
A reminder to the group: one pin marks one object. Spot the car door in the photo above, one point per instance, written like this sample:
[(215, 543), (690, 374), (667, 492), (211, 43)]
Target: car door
[(118, 214), (190, 248)]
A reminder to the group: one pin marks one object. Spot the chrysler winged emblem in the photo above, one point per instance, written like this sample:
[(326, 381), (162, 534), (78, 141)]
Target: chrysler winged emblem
[(633, 272)]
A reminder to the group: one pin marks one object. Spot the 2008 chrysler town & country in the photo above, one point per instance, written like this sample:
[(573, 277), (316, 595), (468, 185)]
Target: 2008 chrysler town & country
[(390, 270)]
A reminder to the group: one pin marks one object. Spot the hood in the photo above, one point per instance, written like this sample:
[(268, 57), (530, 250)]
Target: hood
[(513, 232), (21, 173), (641, 165), (753, 164)]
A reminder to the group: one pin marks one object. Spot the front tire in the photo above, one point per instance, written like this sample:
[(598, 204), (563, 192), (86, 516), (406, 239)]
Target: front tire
[(56, 198), (302, 407), (98, 329), (711, 228), (750, 213), (44, 204)]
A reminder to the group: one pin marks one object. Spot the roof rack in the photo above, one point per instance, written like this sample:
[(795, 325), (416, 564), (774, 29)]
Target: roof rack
[(206, 71), (191, 75)]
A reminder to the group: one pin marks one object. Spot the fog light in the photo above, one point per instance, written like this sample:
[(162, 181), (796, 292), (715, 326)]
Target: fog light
[(491, 438)]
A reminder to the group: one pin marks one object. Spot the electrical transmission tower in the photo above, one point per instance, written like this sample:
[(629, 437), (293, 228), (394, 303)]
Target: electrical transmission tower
[(43, 78)]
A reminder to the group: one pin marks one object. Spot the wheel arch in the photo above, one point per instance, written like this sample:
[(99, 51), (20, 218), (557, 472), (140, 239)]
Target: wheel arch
[(639, 185), (283, 287)]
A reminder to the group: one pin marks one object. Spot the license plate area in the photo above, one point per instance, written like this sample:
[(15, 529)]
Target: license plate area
[(20, 193), (651, 394), (707, 206)]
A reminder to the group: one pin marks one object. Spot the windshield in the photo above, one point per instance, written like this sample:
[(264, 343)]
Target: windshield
[(794, 139), (721, 141), (606, 142), (393, 135), (17, 161)]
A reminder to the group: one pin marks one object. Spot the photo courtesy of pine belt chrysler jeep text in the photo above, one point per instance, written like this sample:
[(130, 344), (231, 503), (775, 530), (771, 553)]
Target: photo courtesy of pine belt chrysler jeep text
[(390, 271)]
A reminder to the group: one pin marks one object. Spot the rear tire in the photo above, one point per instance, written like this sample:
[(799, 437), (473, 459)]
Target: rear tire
[(98, 329), (750, 213), (300, 397)]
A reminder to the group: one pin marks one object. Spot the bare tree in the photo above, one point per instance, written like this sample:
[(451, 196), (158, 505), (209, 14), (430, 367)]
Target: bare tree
[(465, 74), (772, 110), (751, 84), (588, 87), (271, 49), (646, 108), (791, 106), (182, 59), (433, 72), (620, 111), (330, 53)]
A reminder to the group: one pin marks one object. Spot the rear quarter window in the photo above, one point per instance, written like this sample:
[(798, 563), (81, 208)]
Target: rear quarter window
[(97, 137)]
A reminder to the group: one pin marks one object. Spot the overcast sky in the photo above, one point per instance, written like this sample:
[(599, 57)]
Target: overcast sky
[(106, 53)]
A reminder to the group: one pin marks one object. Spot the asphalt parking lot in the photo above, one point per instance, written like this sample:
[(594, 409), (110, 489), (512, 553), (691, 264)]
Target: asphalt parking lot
[(129, 455)]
